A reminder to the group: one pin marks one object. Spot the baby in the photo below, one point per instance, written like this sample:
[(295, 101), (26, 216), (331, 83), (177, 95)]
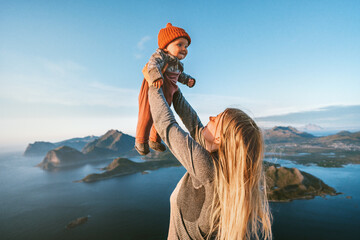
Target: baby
[(164, 69)]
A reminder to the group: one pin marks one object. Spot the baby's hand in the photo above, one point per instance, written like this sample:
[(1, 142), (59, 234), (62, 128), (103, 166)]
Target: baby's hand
[(158, 83), (191, 82)]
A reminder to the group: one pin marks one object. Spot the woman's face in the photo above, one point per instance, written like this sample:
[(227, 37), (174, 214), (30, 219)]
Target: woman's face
[(211, 133)]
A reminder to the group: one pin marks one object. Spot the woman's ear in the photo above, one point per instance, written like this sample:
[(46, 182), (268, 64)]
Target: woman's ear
[(217, 140)]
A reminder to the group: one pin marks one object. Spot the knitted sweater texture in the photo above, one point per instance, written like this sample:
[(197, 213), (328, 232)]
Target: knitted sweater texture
[(191, 200)]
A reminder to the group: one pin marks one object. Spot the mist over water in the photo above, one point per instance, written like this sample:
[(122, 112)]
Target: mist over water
[(37, 204)]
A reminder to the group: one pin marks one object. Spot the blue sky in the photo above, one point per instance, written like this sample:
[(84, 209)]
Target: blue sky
[(73, 68)]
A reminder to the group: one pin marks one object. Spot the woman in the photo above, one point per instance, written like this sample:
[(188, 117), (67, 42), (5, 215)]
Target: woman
[(223, 194)]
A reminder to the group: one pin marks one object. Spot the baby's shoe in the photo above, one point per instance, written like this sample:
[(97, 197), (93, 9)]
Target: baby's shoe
[(142, 148), (157, 146)]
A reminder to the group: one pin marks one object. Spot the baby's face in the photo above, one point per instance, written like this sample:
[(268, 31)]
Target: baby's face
[(178, 48)]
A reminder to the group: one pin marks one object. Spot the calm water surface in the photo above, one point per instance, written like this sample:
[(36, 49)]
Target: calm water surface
[(37, 204)]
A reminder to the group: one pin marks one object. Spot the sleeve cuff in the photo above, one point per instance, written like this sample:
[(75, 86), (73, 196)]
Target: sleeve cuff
[(154, 75)]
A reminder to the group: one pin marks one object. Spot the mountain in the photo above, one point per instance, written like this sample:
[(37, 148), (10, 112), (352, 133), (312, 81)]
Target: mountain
[(77, 143), (330, 151), (292, 135), (41, 148), (285, 134), (60, 157), (343, 136), (112, 143), (38, 148)]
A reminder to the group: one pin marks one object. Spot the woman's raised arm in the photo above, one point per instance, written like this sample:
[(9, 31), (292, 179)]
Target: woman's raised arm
[(187, 115), (190, 153)]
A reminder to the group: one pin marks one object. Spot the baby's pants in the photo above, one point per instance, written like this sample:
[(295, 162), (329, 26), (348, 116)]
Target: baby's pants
[(145, 122)]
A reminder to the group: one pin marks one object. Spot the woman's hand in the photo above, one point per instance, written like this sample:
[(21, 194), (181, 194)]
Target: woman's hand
[(158, 83), (191, 82)]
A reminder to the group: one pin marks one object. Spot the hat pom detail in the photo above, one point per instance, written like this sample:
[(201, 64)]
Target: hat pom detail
[(169, 25)]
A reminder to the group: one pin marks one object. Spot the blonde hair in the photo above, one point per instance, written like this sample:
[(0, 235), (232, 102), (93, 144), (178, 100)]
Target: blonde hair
[(240, 209)]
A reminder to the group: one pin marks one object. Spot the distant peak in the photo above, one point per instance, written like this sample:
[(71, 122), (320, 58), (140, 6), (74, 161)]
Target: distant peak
[(113, 131), (288, 128), (286, 132), (343, 133), (64, 148)]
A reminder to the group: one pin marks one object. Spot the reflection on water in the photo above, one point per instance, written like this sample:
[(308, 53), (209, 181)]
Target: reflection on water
[(37, 204), (286, 154)]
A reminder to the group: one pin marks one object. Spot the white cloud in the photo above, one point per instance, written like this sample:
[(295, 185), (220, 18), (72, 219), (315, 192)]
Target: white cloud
[(62, 67), (56, 90), (141, 43), (140, 47), (63, 83), (138, 56)]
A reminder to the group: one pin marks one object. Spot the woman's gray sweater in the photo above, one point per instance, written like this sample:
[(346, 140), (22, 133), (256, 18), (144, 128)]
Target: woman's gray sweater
[(191, 200)]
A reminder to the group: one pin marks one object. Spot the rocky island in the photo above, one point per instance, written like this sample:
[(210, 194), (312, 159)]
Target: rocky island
[(77, 222), (124, 166), (286, 184), (62, 157)]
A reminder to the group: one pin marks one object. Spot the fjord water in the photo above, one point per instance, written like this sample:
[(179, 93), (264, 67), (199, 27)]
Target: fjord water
[(38, 204)]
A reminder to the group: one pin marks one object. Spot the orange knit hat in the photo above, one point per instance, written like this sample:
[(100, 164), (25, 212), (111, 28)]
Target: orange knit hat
[(169, 34)]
